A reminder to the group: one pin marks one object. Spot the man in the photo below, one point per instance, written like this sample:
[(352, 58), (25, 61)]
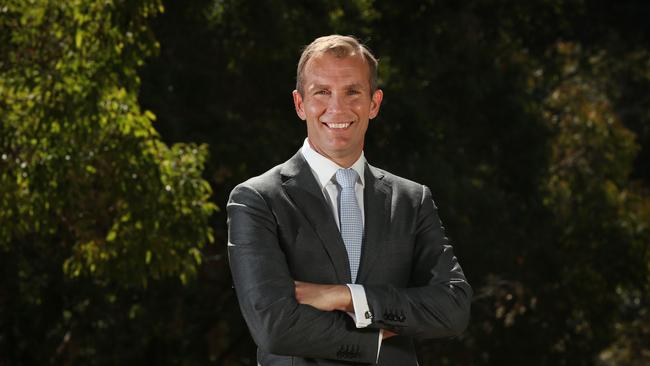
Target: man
[(334, 261)]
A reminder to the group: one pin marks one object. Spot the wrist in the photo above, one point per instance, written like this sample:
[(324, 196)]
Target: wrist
[(345, 299)]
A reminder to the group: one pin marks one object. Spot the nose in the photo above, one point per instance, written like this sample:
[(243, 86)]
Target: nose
[(335, 103)]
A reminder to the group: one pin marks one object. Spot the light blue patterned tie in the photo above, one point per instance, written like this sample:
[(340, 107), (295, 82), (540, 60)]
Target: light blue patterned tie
[(350, 218)]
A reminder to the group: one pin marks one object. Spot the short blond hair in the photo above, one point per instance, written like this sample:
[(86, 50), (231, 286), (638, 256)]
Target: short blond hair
[(339, 46)]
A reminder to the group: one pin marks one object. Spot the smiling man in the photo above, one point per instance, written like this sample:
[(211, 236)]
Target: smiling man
[(334, 261)]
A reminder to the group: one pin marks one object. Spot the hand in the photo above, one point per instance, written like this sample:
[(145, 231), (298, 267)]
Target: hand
[(324, 297)]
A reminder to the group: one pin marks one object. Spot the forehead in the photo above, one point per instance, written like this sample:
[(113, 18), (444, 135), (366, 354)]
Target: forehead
[(328, 69)]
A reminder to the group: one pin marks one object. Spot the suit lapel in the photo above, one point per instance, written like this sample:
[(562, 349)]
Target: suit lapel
[(300, 184), (377, 197)]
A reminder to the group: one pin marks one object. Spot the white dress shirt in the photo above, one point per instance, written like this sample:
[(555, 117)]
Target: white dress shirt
[(324, 171)]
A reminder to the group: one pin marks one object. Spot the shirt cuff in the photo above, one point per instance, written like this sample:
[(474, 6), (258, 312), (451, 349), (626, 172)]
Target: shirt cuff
[(362, 315), (381, 338)]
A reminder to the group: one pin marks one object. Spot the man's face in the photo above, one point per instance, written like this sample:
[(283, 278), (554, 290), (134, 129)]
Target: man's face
[(337, 105)]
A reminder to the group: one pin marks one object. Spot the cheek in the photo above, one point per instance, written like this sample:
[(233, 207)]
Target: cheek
[(314, 109), (360, 109)]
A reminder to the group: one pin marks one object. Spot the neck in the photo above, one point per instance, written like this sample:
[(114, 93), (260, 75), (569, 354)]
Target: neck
[(342, 161)]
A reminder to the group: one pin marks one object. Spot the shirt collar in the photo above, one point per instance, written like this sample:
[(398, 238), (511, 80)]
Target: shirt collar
[(324, 169)]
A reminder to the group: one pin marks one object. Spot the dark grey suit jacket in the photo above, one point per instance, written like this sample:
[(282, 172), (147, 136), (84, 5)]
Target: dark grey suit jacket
[(281, 229)]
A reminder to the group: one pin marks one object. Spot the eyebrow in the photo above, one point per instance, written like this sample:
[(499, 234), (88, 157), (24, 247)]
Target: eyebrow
[(354, 86), (319, 86), (325, 86)]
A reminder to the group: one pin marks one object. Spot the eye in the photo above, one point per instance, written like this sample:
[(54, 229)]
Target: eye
[(322, 92), (353, 92)]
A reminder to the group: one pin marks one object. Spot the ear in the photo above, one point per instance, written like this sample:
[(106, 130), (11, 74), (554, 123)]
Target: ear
[(297, 102), (375, 102)]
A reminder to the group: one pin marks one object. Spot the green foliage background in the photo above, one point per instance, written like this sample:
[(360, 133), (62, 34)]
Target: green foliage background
[(124, 124)]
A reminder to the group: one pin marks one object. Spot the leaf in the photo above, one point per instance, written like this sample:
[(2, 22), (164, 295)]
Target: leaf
[(78, 38), (111, 236)]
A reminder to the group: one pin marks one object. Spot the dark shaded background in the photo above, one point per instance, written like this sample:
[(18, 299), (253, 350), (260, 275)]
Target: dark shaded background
[(467, 111), (529, 121)]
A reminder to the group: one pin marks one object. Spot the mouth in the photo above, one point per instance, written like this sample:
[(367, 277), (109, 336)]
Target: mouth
[(337, 126)]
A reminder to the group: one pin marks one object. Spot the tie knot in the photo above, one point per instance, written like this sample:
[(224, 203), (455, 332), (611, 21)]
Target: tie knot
[(346, 177)]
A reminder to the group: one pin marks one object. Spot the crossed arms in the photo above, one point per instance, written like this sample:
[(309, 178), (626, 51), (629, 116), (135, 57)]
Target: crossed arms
[(301, 319)]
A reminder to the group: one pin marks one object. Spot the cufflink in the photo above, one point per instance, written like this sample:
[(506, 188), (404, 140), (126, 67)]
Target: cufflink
[(368, 315)]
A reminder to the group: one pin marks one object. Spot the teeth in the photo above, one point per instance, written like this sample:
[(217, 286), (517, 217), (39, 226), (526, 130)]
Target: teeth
[(338, 125)]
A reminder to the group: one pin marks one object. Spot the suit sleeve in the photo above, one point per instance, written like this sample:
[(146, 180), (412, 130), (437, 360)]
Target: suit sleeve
[(266, 293), (437, 302)]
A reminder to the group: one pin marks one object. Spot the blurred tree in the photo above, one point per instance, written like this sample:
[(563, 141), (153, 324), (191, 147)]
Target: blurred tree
[(554, 242), (96, 213), (224, 77), (529, 121), (520, 117)]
